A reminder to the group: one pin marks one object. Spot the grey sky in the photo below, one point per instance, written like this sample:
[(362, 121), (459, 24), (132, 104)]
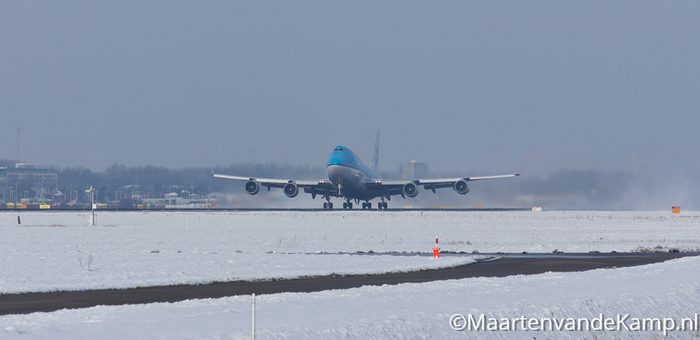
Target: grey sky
[(463, 85)]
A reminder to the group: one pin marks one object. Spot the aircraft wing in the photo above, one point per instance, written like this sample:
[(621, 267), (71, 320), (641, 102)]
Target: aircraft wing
[(410, 187), (271, 182), (468, 179), (321, 187)]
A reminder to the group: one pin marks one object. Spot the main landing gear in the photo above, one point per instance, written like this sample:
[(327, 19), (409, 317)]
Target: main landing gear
[(348, 205), (380, 206)]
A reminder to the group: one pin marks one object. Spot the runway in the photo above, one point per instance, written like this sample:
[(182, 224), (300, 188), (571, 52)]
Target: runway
[(495, 265), (158, 209)]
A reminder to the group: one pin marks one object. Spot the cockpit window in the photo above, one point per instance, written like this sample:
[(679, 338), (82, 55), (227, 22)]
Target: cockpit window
[(339, 149)]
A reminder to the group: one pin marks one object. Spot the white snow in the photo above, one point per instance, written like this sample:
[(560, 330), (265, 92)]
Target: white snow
[(60, 251), (50, 251)]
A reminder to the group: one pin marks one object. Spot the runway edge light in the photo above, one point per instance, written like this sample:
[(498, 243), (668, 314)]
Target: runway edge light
[(676, 210)]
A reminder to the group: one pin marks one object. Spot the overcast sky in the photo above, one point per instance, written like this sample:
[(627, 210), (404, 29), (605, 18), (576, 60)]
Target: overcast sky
[(462, 85)]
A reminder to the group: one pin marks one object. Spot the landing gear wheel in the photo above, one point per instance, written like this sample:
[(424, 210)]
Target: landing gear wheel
[(325, 205), (349, 206), (330, 205), (369, 205)]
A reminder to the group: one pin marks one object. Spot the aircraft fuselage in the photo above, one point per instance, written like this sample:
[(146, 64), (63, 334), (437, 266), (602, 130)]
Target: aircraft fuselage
[(346, 171)]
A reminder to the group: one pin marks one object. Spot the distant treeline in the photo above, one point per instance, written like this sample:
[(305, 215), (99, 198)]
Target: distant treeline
[(154, 180), (119, 181)]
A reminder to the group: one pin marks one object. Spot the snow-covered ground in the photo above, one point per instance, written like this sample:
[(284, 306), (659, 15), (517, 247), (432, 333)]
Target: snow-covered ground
[(52, 251)]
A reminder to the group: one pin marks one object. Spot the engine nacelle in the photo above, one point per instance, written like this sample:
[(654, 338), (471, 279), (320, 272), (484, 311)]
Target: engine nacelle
[(461, 187), (291, 189), (410, 189), (252, 187)]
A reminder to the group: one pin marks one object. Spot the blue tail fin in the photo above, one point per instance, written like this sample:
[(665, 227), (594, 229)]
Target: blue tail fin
[(374, 165)]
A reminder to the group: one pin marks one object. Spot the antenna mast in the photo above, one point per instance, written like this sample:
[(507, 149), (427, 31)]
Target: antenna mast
[(18, 144)]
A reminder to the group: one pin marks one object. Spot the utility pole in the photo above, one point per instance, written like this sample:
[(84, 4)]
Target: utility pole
[(91, 191)]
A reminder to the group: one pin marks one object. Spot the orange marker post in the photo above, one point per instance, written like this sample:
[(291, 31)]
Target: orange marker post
[(436, 250), (676, 210)]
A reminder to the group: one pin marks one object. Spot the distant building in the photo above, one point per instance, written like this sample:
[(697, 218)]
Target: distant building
[(26, 180), (413, 170)]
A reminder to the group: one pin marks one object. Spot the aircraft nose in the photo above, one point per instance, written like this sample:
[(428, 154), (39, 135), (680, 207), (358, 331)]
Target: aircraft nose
[(334, 161)]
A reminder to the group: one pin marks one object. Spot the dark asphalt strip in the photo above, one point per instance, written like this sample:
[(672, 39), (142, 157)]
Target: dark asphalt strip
[(504, 265)]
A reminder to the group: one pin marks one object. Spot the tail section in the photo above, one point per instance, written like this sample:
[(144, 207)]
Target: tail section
[(374, 165)]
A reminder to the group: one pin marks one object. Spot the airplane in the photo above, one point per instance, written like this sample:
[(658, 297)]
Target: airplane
[(351, 179)]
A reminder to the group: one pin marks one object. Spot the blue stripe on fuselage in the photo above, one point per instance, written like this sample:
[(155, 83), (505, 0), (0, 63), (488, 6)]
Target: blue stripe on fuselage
[(344, 157)]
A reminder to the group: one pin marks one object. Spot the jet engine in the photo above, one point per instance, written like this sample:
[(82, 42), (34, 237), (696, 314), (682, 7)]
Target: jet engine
[(252, 187), (410, 189), (461, 187), (291, 189)]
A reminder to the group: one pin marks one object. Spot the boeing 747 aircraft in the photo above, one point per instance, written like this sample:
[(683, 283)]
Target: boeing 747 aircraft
[(351, 179)]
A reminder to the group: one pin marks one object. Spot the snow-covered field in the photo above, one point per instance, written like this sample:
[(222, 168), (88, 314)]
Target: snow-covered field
[(60, 251)]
